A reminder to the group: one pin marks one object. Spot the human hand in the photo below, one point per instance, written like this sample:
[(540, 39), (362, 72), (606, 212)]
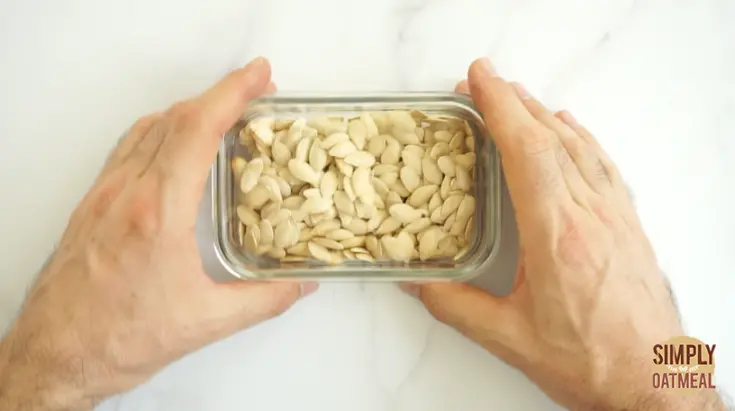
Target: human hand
[(589, 300), (125, 293)]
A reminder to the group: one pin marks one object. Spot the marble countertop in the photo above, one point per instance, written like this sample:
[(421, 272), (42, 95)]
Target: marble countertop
[(652, 79)]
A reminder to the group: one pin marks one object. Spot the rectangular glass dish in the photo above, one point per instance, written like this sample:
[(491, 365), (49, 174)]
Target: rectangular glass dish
[(482, 233)]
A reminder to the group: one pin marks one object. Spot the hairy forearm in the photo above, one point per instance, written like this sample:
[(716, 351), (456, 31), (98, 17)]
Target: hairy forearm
[(705, 400), (33, 381)]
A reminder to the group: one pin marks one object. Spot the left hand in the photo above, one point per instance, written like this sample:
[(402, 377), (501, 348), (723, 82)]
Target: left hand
[(125, 293)]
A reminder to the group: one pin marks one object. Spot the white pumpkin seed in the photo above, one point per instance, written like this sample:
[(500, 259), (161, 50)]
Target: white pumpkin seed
[(333, 140), (343, 168), (347, 186), (399, 188), (418, 225), (316, 205), (382, 168), (466, 208), (357, 226), (449, 222), (412, 156), (341, 234), (388, 225), (266, 232), (325, 226), (278, 216), (257, 197), (406, 136), (422, 195), (293, 202), (373, 245), (443, 136), (381, 188), (343, 203), (247, 215), (435, 202), (410, 179), (302, 171), (357, 131), (451, 204), (327, 243), (446, 187), (280, 152), (317, 157), (377, 145), (302, 150), (319, 252), (356, 241), (401, 120), (431, 171), (446, 165), (429, 243), (343, 149), (251, 175), (299, 249), (439, 149), (328, 184), (364, 257), (465, 160), (389, 178), (393, 198), (360, 159), (349, 254), (392, 152)]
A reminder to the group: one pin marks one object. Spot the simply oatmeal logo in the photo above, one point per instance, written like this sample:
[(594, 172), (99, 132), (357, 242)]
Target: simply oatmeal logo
[(684, 364)]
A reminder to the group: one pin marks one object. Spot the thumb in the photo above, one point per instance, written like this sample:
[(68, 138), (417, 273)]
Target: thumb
[(245, 303), (490, 321)]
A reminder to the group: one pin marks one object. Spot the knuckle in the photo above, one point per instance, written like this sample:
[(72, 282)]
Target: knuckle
[(283, 299), (572, 241), (188, 116), (600, 172), (101, 198), (562, 157), (537, 141), (144, 214)]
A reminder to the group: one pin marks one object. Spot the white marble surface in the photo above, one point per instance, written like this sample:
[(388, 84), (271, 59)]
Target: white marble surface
[(652, 78)]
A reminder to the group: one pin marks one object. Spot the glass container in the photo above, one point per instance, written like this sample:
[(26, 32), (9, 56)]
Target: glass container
[(486, 188)]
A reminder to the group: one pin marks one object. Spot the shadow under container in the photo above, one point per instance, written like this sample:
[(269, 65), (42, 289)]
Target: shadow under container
[(486, 188)]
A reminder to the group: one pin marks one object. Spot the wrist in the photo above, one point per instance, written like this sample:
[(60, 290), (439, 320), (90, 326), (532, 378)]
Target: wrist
[(32, 379), (706, 400)]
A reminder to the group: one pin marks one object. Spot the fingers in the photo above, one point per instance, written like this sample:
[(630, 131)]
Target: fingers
[(568, 143), (530, 151), (129, 142), (271, 88), (597, 167), (199, 124), (463, 87), (224, 103), (489, 321), (585, 157), (248, 303)]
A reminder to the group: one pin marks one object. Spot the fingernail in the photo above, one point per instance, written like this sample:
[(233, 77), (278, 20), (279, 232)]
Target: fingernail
[(258, 61), (308, 288), (522, 92), (411, 289), (568, 118), (488, 67)]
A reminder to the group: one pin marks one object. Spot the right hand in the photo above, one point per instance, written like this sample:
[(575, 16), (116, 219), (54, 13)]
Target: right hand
[(589, 298)]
